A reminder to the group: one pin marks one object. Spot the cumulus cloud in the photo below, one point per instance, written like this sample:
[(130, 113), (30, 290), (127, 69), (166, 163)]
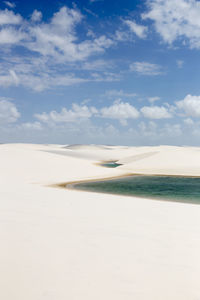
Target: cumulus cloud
[(79, 123), (150, 132), (76, 114), (59, 40), (8, 17), (147, 129), (156, 112), (121, 111), (56, 38), (153, 99), (54, 51), (36, 16), (175, 20), (145, 68), (8, 112), (30, 126), (139, 30), (173, 130), (11, 36), (118, 110), (190, 105), (189, 122)]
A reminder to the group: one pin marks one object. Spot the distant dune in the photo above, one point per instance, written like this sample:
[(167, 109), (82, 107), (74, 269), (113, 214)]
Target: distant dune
[(145, 160)]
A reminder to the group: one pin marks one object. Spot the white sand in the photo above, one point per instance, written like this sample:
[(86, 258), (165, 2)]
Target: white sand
[(61, 244)]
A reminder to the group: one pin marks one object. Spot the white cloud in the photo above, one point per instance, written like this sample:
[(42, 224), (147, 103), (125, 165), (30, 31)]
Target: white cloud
[(47, 81), (8, 112), (121, 111), (9, 79), (58, 38), (156, 112), (10, 4), (190, 105), (78, 124), (76, 114), (139, 30), (145, 68), (36, 16), (153, 99), (8, 17), (147, 129), (119, 93), (118, 110), (55, 52), (167, 134), (175, 20), (105, 76), (40, 74), (30, 126), (122, 36), (97, 65), (11, 36), (189, 122), (173, 130)]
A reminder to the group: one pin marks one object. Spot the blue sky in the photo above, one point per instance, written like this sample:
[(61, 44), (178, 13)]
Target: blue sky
[(95, 71)]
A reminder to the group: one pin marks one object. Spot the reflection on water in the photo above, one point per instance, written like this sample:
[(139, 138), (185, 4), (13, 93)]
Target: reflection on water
[(171, 188)]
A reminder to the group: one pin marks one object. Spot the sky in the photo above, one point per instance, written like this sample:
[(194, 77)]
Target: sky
[(117, 72)]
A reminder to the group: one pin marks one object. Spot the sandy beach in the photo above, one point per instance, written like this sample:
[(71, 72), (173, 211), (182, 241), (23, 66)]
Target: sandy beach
[(59, 244)]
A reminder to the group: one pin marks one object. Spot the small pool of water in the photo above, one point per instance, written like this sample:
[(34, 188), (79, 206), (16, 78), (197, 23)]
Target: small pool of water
[(170, 188), (110, 164)]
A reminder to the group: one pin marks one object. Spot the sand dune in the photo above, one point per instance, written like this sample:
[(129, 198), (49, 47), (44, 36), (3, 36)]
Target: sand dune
[(130, 159), (169, 160), (87, 147), (65, 244)]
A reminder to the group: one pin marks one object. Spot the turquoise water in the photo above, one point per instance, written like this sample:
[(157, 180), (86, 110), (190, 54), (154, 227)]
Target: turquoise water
[(170, 188), (111, 164)]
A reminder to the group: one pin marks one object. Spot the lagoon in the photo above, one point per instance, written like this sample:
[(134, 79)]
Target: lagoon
[(169, 188)]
